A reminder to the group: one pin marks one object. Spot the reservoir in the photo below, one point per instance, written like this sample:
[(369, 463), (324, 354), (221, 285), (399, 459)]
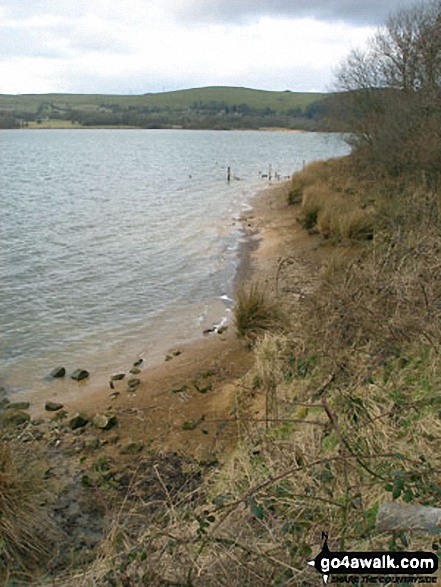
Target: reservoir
[(117, 244)]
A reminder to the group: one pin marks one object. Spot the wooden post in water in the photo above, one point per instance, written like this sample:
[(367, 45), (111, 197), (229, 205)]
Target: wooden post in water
[(228, 174)]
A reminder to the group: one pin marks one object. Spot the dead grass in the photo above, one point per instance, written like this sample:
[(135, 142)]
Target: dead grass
[(255, 311), (338, 413), (336, 214), (27, 535)]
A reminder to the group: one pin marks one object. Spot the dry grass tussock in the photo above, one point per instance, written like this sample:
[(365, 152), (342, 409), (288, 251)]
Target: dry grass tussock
[(339, 413), (333, 201), (256, 310), (27, 535)]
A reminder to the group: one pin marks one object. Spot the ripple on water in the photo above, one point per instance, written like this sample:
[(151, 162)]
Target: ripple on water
[(117, 242)]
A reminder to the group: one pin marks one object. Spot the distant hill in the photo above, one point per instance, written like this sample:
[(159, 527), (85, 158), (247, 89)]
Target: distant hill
[(210, 107)]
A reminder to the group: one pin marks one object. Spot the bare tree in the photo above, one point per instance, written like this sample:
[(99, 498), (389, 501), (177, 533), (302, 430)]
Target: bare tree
[(391, 91)]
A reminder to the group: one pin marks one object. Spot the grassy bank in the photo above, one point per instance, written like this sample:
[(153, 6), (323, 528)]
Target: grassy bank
[(338, 413)]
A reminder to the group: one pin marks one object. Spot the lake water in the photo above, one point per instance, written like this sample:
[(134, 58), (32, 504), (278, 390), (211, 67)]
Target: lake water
[(116, 244)]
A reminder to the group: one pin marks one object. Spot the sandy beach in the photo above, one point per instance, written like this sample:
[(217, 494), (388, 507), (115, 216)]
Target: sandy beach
[(186, 404)]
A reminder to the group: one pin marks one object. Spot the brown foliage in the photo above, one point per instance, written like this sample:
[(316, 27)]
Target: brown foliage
[(27, 535)]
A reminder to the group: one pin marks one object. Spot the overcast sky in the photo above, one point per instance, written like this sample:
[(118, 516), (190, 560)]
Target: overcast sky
[(139, 46)]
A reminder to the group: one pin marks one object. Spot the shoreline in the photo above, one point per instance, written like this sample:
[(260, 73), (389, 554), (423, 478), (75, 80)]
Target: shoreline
[(220, 354), (115, 127), (186, 403)]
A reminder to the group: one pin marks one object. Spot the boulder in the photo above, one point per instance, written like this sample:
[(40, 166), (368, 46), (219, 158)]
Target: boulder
[(53, 406), (79, 374), (135, 371), (77, 420), (14, 417), (3, 403), (138, 362), (104, 421), (58, 372), (133, 382)]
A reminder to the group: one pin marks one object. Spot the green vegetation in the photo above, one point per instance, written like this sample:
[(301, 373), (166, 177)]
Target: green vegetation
[(212, 107)]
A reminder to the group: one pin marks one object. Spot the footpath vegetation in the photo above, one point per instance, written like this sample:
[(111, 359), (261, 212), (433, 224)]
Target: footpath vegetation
[(219, 108), (348, 382)]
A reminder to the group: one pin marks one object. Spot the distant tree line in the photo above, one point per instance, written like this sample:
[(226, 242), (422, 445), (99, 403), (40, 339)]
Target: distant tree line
[(200, 115)]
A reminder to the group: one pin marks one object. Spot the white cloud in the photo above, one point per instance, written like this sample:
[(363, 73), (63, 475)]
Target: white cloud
[(113, 47)]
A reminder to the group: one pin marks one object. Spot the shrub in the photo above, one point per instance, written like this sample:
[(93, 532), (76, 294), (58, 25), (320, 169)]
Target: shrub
[(312, 203), (357, 224), (255, 311), (27, 536), (333, 205)]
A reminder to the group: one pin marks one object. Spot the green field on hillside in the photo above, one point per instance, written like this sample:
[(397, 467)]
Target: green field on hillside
[(178, 100), (211, 107)]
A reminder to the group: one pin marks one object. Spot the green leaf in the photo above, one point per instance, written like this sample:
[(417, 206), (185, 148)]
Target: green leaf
[(396, 492), (257, 511), (408, 496)]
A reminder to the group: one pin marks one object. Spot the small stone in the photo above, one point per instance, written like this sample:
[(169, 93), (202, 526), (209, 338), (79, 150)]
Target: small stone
[(168, 358), (222, 329), (131, 448), (59, 415), (58, 372), (118, 377), (14, 417), (104, 421), (112, 439), (135, 371), (138, 362), (177, 353), (18, 406), (114, 395), (77, 420), (37, 422), (79, 374), (90, 441), (133, 382), (52, 406)]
